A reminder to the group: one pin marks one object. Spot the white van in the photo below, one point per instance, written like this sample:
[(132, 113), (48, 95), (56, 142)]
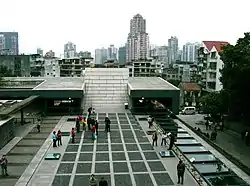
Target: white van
[(188, 110)]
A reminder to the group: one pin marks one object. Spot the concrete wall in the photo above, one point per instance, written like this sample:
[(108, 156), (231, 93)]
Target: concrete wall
[(6, 131)]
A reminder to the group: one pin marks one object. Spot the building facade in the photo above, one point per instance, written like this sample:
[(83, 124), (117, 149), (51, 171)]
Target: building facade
[(18, 64), (122, 55), (39, 51), (137, 46), (210, 64), (9, 44), (101, 55), (74, 67), (84, 54), (69, 50), (172, 49), (190, 52), (51, 67), (161, 52), (112, 53)]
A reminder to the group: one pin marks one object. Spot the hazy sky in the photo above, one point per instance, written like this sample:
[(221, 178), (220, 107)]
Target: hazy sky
[(91, 24)]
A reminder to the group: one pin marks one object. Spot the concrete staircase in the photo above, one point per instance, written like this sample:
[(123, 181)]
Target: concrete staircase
[(106, 87)]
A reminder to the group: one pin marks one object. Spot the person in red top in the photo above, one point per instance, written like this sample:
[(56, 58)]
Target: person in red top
[(93, 132), (73, 135), (79, 117)]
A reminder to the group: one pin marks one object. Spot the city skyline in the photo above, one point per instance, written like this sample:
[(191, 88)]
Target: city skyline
[(50, 31)]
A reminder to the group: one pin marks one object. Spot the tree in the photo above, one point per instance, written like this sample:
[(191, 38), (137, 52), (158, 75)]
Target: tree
[(4, 72), (236, 77), (214, 103)]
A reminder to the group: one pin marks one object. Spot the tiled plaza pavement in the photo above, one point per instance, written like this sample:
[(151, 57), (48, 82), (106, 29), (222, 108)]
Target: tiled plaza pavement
[(25, 150), (124, 157)]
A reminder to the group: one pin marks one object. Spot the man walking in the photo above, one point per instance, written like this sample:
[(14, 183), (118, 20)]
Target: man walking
[(72, 132), (171, 143), (103, 182), (4, 162), (38, 126), (107, 124), (180, 172), (164, 139), (77, 125), (155, 138), (96, 127), (54, 138)]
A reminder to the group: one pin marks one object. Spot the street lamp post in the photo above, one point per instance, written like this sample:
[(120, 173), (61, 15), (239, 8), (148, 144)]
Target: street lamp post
[(69, 106)]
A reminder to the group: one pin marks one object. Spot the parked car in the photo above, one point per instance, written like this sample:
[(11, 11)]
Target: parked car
[(188, 110)]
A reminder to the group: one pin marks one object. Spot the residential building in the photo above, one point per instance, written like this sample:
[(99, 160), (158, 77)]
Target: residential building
[(50, 54), (39, 51), (112, 53), (190, 52), (101, 55), (69, 50), (122, 55), (161, 52), (146, 68), (173, 50), (137, 46), (18, 64), (74, 67), (171, 74), (9, 43), (51, 67), (210, 64), (37, 63), (84, 54), (189, 94)]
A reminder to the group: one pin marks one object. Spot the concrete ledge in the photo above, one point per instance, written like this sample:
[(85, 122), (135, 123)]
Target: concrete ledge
[(219, 149)]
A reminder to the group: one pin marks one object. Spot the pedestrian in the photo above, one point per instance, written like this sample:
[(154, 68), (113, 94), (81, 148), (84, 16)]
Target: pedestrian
[(84, 123), (92, 180), (4, 162), (72, 132), (59, 138), (164, 139), (103, 182), (89, 123), (54, 138), (89, 111), (38, 126), (96, 126), (77, 125), (171, 143), (180, 172), (150, 121), (107, 124), (93, 129), (155, 138), (207, 124)]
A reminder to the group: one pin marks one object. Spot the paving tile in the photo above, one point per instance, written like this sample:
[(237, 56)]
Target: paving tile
[(143, 179), (136, 127), (114, 127), (102, 157), (156, 166), (100, 147), (124, 122), (15, 170), (134, 156), (65, 168), (85, 156), (138, 167), (129, 140), (117, 147), (116, 140), (84, 168), (115, 134), (120, 167), (163, 179), (125, 127), (72, 148), (87, 148), (127, 134), (102, 168), (88, 140), (69, 157), (118, 156), (61, 180), (81, 180), (20, 158), (123, 180), (132, 147), (23, 150), (102, 140), (142, 139), (30, 142), (151, 155), (146, 146)]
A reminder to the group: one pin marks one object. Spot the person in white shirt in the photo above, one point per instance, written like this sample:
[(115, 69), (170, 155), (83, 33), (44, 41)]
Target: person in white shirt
[(164, 138), (150, 121)]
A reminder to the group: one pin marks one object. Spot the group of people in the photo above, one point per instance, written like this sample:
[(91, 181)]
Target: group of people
[(164, 137), (93, 181), (57, 138)]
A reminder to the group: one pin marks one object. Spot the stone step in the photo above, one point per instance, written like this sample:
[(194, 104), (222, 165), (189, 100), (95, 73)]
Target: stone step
[(118, 92), (106, 81)]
